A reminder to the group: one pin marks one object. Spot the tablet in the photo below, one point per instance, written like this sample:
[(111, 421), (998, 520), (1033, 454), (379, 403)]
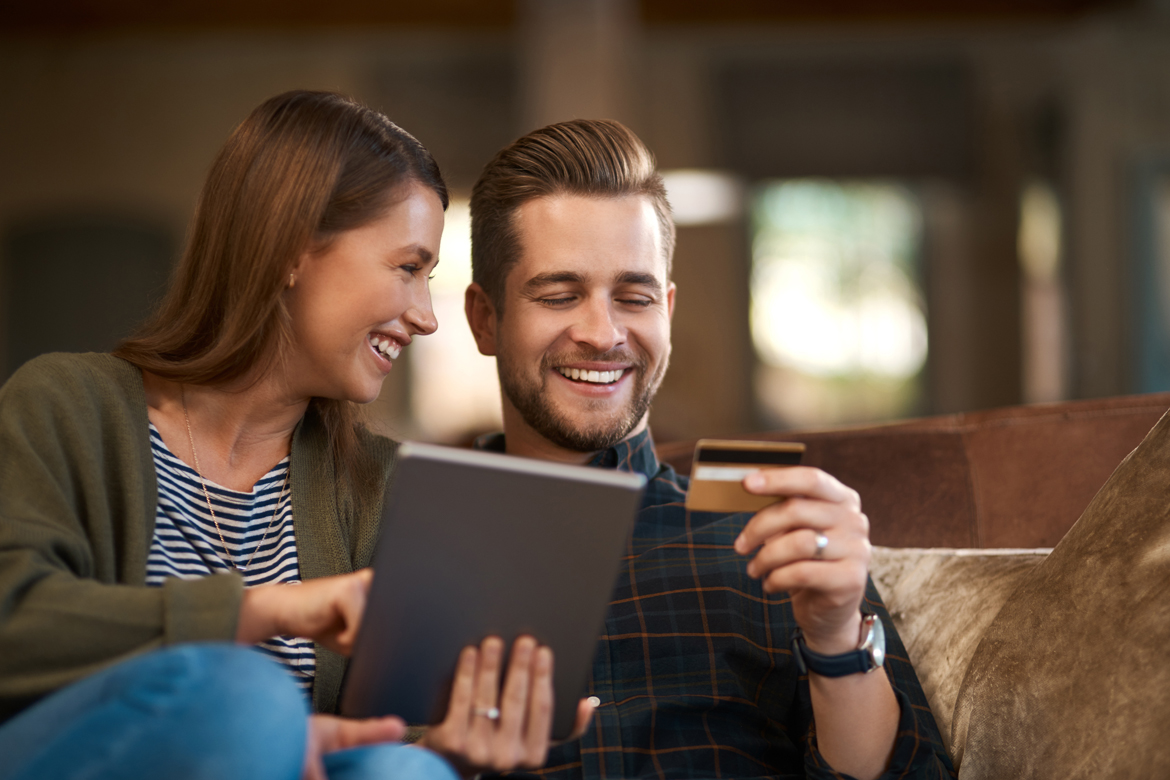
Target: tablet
[(474, 544)]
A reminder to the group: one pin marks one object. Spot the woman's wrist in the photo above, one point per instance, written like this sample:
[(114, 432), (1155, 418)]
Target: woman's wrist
[(259, 618)]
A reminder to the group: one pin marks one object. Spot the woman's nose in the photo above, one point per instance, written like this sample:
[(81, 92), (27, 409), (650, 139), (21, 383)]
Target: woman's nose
[(421, 316)]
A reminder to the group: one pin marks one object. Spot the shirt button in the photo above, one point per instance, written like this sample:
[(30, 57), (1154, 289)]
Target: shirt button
[(596, 702)]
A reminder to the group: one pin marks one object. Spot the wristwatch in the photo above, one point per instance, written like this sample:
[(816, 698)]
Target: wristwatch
[(869, 655)]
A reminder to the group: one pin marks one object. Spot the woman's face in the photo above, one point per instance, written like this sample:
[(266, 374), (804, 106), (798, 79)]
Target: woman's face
[(358, 302)]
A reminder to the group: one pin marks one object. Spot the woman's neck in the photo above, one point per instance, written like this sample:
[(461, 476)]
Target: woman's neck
[(238, 432)]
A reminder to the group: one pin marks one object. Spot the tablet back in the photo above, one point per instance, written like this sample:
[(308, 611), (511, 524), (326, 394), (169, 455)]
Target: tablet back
[(475, 544)]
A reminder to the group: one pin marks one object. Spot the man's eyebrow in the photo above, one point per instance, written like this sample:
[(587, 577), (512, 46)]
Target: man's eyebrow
[(643, 279), (554, 277)]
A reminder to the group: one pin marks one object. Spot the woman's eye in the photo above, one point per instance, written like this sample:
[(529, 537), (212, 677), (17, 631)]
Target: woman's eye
[(414, 269)]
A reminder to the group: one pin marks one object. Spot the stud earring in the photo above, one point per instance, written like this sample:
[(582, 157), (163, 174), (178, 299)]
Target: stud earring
[(292, 281)]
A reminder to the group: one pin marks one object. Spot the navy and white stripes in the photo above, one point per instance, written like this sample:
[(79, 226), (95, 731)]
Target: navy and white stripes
[(187, 545)]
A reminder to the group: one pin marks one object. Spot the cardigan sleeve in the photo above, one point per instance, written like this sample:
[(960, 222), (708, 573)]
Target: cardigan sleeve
[(77, 503)]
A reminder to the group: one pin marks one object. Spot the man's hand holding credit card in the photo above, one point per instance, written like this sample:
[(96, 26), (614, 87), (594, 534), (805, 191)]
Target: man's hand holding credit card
[(808, 538), (720, 467)]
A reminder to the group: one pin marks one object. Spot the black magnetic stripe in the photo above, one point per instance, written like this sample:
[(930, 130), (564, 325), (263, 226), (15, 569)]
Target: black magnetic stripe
[(761, 457)]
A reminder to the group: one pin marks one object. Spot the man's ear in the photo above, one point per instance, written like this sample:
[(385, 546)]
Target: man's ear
[(481, 316), (670, 290)]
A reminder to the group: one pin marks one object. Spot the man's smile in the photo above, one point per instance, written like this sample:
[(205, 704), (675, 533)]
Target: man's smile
[(590, 375)]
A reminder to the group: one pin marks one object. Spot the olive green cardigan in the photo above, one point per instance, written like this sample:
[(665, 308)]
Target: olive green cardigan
[(78, 499)]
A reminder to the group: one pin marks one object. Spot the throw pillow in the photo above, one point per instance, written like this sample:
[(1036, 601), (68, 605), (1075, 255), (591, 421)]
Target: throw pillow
[(941, 601), (1072, 677)]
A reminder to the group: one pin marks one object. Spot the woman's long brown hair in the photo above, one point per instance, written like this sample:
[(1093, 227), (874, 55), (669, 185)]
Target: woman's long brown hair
[(302, 168)]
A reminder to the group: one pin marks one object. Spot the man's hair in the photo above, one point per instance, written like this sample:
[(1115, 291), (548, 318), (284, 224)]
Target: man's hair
[(593, 157)]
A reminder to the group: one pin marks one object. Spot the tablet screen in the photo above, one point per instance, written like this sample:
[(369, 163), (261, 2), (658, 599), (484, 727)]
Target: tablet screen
[(476, 544)]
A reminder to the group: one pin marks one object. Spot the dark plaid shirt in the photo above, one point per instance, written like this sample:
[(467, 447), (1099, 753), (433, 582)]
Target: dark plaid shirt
[(694, 669)]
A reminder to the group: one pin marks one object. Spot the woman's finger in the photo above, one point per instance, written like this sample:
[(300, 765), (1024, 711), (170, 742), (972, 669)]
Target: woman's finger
[(462, 695), (352, 606), (586, 709), (484, 711), (540, 708), (514, 702)]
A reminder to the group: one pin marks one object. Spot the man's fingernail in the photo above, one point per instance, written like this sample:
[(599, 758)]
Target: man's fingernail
[(740, 542), (754, 481)]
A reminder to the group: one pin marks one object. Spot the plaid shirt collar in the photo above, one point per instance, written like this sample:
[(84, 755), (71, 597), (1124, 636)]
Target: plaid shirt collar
[(635, 454)]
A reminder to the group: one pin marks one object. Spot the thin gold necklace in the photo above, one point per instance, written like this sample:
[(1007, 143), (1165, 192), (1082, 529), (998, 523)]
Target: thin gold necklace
[(207, 496)]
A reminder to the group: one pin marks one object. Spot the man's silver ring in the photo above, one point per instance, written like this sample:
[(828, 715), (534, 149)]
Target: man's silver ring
[(822, 543), (491, 713)]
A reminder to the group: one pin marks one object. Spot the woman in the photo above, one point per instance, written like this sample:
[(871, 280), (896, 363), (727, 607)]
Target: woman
[(178, 490)]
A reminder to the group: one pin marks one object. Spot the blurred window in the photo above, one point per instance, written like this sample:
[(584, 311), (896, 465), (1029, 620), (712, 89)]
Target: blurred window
[(1042, 297), (454, 391), (1152, 276), (837, 312)]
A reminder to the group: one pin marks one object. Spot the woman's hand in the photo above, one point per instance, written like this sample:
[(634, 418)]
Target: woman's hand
[(518, 736), (327, 610), (328, 733)]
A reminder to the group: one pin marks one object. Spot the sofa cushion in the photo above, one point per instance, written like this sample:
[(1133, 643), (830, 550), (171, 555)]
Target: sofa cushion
[(942, 601), (1072, 679), (1015, 477)]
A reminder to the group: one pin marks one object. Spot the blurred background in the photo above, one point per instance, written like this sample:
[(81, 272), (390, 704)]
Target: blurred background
[(886, 209)]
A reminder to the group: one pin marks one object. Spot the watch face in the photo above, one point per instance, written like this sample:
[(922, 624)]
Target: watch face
[(874, 642), (878, 637)]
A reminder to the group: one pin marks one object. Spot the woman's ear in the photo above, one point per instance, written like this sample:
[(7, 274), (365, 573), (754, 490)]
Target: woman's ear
[(481, 317), (294, 272)]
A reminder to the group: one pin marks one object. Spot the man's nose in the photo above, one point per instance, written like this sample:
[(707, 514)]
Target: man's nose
[(598, 326)]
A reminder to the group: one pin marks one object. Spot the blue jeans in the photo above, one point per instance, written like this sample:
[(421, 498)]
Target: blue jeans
[(213, 711)]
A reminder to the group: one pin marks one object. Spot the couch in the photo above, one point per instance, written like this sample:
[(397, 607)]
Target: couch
[(1024, 556)]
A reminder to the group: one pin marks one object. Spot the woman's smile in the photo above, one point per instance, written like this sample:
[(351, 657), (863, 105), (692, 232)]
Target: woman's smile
[(359, 300)]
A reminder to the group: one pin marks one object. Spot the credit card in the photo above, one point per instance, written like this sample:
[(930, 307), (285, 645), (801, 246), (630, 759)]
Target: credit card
[(720, 465)]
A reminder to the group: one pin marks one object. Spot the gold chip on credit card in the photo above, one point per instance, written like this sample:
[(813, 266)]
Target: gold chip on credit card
[(719, 468)]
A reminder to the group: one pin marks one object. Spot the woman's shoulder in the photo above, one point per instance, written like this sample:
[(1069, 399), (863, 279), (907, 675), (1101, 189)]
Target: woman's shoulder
[(375, 444), (80, 380)]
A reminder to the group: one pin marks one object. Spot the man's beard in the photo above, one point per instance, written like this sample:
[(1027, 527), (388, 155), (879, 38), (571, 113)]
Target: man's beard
[(531, 400)]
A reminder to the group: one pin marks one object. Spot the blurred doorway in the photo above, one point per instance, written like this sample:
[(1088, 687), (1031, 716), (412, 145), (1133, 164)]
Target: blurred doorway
[(79, 284), (838, 314)]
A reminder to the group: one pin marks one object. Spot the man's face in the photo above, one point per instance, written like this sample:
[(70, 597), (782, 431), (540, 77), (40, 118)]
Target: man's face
[(584, 338)]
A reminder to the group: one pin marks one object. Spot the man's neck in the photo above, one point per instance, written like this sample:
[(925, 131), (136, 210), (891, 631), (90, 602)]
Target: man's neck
[(523, 440)]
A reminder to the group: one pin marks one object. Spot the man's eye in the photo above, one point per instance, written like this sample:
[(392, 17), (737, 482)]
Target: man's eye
[(639, 302), (560, 301)]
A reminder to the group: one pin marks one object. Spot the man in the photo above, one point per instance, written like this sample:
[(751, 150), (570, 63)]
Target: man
[(572, 240)]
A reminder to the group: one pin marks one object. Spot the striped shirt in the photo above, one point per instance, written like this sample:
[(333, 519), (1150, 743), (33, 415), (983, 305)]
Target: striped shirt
[(694, 670), (187, 544)]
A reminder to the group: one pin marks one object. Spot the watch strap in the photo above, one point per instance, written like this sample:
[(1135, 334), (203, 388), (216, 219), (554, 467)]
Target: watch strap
[(853, 662)]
